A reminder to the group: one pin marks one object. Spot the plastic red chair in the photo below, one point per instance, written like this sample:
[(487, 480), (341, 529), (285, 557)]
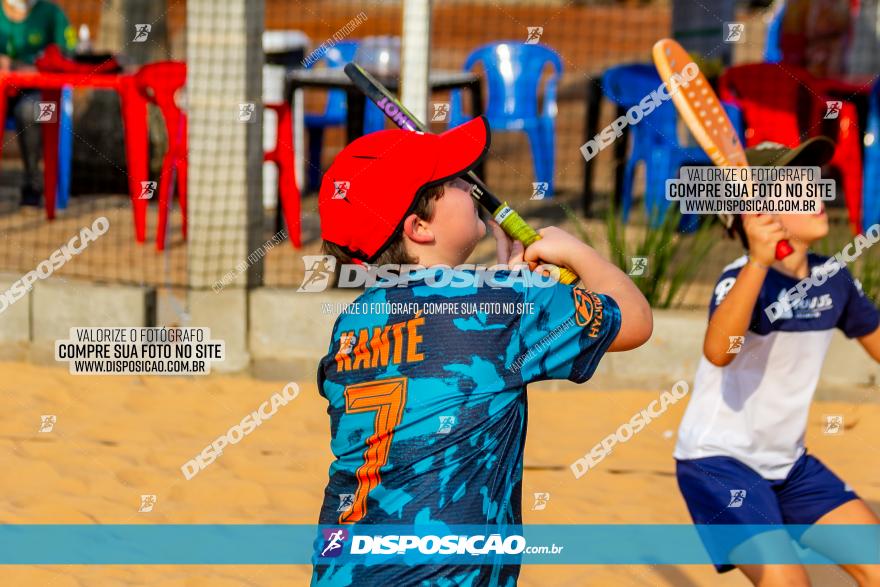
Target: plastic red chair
[(158, 83), (787, 105), (282, 156)]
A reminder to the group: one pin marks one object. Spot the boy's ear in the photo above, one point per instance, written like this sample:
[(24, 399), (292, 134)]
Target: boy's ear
[(417, 230)]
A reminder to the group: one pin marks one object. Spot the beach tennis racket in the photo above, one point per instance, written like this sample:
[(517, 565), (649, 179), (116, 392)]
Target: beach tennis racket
[(704, 115), (506, 217)]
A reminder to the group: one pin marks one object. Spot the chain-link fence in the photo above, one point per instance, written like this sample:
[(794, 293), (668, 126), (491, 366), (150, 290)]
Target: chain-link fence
[(538, 127), (101, 45)]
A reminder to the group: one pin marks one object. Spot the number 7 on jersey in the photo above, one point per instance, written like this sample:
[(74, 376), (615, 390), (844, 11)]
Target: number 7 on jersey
[(387, 398)]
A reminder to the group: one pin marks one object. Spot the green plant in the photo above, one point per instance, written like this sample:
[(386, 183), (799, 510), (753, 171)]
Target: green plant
[(578, 225), (673, 258)]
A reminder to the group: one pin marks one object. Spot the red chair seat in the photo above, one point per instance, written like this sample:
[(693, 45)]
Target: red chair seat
[(158, 83), (787, 105)]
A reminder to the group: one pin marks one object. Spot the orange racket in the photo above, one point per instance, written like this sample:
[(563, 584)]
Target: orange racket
[(704, 115)]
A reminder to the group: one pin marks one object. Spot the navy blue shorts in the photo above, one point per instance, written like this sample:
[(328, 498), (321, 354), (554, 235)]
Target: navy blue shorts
[(722, 490)]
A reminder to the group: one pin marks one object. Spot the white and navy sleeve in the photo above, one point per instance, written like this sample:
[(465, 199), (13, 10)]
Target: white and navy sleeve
[(860, 316)]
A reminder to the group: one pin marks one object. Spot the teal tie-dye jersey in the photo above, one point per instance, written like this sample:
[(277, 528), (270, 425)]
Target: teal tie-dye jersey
[(426, 390)]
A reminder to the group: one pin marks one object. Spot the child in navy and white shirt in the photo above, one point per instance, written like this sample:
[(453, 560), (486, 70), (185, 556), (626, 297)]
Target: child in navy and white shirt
[(740, 453)]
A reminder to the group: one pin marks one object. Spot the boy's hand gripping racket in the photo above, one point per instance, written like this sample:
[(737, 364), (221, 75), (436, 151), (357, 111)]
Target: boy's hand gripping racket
[(511, 222), (704, 115)]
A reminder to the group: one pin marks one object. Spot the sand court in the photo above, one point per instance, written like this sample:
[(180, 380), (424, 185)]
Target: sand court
[(117, 438)]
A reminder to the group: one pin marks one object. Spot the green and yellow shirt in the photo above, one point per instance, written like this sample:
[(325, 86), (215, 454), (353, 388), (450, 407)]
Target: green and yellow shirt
[(45, 24)]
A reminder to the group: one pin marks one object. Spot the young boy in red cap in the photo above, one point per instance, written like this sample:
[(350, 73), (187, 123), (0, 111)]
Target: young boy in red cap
[(426, 379)]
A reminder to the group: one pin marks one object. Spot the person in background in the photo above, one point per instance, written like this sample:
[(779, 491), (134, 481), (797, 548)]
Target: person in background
[(27, 27)]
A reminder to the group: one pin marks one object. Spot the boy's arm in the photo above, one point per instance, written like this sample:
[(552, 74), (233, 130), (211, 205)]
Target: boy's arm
[(560, 248), (734, 313)]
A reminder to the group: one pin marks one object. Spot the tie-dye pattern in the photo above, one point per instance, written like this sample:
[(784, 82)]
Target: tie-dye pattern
[(473, 473)]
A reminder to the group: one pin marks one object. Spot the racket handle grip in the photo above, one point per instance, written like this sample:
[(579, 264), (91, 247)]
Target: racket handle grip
[(517, 228), (567, 276), (783, 250)]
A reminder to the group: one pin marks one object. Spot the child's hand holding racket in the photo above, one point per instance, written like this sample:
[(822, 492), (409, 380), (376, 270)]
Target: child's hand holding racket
[(556, 246), (509, 252), (553, 248), (763, 232)]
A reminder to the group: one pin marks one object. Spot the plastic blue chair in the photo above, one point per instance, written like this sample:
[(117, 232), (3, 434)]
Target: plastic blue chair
[(513, 72), (372, 53), (773, 48), (65, 146), (335, 111), (871, 193), (654, 140)]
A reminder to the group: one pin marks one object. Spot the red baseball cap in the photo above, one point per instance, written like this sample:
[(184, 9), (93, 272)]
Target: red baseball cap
[(371, 186)]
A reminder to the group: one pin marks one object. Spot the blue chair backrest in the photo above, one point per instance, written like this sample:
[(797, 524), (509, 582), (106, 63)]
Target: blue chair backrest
[(871, 197), (335, 58), (874, 111), (773, 50), (513, 70), (627, 85)]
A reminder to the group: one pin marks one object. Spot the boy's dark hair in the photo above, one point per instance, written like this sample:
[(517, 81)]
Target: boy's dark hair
[(395, 253)]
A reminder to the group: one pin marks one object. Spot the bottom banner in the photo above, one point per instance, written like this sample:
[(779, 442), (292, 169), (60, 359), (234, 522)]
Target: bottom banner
[(438, 543)]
